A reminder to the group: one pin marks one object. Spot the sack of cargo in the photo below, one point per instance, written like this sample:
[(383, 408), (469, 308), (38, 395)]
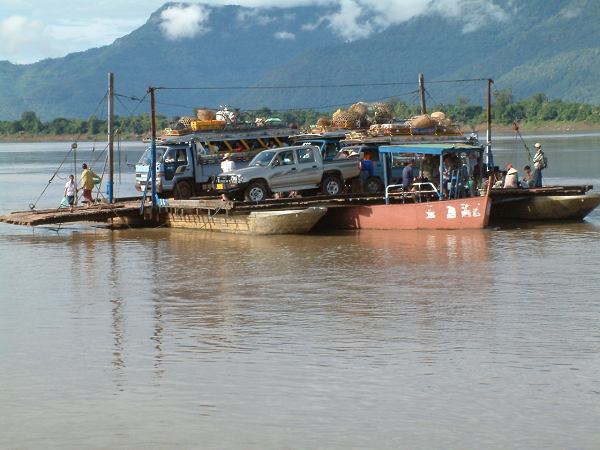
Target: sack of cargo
[(423, 121), (206, 114), (438, 115)]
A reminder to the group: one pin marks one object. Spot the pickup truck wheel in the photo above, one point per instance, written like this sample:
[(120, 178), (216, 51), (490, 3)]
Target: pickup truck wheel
[(373, 185), (255, 192), (332, 185), (183, 190)]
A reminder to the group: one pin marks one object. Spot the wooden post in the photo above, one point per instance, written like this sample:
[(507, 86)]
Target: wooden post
[(422, 93), (489, 155), (153, 146), (111, 134)]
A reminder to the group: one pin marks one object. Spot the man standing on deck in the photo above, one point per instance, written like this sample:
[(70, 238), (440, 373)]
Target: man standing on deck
[(87, 184), (408, 174), (540, 162)]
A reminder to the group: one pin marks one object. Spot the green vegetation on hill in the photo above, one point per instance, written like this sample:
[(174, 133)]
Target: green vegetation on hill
[(550, 46), (535, 110)]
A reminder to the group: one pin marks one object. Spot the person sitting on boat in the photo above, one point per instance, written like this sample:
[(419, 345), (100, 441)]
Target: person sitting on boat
[(511, 180), (408, 174), (227, 165), (527, 180), (540, 162)]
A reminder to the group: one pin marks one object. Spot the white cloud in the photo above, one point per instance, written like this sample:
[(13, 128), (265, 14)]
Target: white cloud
[(184, 21), (17, 33), (30, 31), (347, 21), (284, 35), (249, 17), (358, 19), (571, 12)]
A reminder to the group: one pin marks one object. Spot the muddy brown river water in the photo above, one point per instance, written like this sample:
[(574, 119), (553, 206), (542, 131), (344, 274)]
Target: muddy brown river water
[(164, 338)]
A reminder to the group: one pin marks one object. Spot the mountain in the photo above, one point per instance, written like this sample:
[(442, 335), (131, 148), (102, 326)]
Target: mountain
[(549, 46)]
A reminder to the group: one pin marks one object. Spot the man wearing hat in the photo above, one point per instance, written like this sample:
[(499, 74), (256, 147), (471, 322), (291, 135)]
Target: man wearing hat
[(87, 184), (540, 162), (227, 165)]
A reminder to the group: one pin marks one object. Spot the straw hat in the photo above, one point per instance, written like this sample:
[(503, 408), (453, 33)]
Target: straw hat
[(538, 145), (226, 156), (511, 171)]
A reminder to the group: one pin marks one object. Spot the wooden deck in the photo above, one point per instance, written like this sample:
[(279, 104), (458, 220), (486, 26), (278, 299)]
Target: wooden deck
[(127, 211), (98, 213)]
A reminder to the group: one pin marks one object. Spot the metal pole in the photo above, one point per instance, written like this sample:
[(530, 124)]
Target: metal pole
[(489, 155), (111, 106), (153, 145), (422, 93), (385, 176)]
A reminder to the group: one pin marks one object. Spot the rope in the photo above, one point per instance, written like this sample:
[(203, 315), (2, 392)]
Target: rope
[(519, 135), (315, 86), (33, 204)]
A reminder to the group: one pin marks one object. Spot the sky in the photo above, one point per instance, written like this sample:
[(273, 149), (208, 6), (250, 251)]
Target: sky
[(31, 30)]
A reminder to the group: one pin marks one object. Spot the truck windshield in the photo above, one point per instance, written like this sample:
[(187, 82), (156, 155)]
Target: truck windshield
[(262, 159), (145, 159)]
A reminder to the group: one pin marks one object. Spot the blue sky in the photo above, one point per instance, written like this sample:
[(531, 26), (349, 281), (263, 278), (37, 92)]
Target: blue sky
[(31, 30)]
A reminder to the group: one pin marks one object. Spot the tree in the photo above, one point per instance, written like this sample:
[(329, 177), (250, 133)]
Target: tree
[(30, 122)]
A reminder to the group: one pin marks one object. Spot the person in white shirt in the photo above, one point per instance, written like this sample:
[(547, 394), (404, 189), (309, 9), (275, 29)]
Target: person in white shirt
[(540, 162), (227, 165), (70, 192)]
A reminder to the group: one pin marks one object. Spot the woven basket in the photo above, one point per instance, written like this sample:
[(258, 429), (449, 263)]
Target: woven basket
[(360, 109), (323, 122), (345, 119), (383, 113), (186, 121)]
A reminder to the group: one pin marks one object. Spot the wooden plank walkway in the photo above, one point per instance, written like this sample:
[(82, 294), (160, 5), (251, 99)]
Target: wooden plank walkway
[(101, 212)]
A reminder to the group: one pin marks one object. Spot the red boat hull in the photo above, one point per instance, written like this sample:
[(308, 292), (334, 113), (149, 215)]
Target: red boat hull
[(460, 214)]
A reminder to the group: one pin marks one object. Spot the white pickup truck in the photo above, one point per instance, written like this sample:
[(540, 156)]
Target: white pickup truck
[(298, 168)]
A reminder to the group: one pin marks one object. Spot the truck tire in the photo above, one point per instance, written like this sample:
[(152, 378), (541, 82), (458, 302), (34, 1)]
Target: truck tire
[(373, 185), (255, 192), (183, 190), (332, 185)]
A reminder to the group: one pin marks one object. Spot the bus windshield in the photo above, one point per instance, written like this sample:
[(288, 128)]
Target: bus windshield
[(145, 159)]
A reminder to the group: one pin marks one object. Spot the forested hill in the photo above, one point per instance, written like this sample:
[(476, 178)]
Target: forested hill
[(549, 46)]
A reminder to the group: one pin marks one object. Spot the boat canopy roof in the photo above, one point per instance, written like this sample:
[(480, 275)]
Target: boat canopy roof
[(430, 149)]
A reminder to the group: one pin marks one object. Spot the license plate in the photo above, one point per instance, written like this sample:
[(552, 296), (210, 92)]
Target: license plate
[(219, 185)]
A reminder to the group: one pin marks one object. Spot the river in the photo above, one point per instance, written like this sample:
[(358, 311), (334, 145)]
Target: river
[(163, 338)]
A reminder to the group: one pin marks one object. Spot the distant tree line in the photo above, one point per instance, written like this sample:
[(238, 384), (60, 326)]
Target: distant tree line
[(534, 110), (30, 124)]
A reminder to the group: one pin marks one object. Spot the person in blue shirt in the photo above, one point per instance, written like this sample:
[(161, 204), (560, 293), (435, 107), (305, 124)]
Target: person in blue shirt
[(367, 168), (408, 174)]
